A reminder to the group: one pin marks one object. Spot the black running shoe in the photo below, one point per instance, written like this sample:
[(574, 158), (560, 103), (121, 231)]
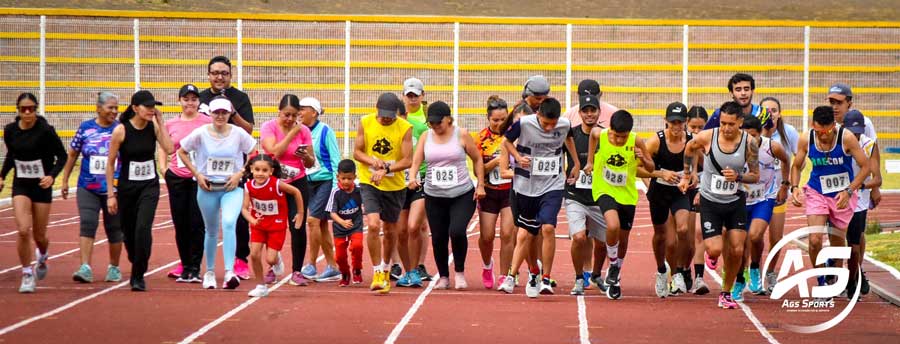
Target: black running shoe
[(396, 272), (424, 274)]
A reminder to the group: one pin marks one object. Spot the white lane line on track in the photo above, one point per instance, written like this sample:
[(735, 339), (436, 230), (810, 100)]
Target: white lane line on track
[(583, 334), (395, 333), (746, 309)]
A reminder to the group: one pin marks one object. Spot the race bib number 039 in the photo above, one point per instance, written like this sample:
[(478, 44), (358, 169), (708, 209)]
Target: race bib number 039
[(720, 186), (141, 170), (444, 176), (834, 182), (29, 169), (263, 207), (545, 166), (219, 166)]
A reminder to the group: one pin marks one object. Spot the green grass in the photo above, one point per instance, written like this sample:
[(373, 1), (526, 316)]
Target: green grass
[(889, 181), (884, 247)]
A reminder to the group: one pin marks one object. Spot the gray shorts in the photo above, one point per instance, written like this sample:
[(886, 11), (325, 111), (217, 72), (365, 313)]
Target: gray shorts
[(385, 203), (582, 217), (89, 207)]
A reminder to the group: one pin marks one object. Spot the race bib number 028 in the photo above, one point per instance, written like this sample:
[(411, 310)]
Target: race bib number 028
[(614, 178), (545, 166)]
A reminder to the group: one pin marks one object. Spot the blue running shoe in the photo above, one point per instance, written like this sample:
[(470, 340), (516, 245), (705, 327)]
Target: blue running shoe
[(755, 281), (737, 291), (587, 280), (403, 281), (329, 275), (309, 271), (415, 280)]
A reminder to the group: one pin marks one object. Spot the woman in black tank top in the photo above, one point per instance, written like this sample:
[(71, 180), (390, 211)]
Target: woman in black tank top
[(137, 192)]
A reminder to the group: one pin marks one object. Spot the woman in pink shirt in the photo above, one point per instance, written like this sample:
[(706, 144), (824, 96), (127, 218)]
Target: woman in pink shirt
[(189, 228), (289, 141)]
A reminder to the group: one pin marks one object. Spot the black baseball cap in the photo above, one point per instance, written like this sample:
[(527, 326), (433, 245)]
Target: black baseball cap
[(145, 98), (388, 104), (437, 111), (855, 122), (188, 88), (588, 100), (589, 87), (676, 112)]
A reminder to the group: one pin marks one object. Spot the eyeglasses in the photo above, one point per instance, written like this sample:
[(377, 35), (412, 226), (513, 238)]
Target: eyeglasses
[(30, 108), (223, 74), (497, 104)]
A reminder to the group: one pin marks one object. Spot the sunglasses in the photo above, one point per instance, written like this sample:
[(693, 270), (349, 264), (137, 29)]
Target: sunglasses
[(30, 108), (497, 104)]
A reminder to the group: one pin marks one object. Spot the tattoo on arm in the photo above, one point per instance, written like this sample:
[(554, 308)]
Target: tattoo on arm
[(753, 156), (688, 163)]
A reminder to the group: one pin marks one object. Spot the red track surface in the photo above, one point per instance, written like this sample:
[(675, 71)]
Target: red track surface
[(172, 312)]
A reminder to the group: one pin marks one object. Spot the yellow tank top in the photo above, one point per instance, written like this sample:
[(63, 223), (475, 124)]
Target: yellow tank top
[(615, 170), (383, 142)]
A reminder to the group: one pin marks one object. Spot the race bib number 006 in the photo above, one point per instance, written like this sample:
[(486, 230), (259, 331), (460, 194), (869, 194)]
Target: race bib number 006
[(720, 186)]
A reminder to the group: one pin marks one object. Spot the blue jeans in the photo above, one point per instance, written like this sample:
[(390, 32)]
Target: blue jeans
[(230, 203)]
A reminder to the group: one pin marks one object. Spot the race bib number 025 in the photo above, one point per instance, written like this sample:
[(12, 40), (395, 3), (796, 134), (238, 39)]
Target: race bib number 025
[(444, 176)]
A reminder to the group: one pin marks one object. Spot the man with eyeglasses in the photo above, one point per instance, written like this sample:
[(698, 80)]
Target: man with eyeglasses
[(219, 72)]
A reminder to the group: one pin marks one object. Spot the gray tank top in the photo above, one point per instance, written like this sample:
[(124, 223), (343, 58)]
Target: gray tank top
[(447, 175), (546, 152), (713, 185)]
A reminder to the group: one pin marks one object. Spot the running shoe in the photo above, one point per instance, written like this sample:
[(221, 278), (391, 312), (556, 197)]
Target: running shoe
[(771, 280), (28, 284), (386, 284), (424, 273), (700, 287), (662, 289), (612, 274), (487, 277), (195, 277), (84, 274), (376, 281), (231, 280), (737, 291), (614, 292), (600, 282), (726, 302), (278, 268), (678, 283), (415, 280), (711, 264), (546, 287), (688, 280), (345, 281), (507, 284), (209, 280), (241, 269), (586, 280), (329, 275), (755, 285), (864, 288), (533, 286), (185, 276), (309, 271), (460, 281), (176, 272), (403, 281), (443, 283), (357, 277), (270, 277), (396, 272), (298, 279), (41, 266), (578, 288), (114, 275), (260, 291), (138, 284)]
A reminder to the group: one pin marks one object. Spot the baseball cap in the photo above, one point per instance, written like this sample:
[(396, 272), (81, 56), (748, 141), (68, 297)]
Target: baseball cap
[(388, 104), (188, 88), (676, 112), (204, 109), (437, 111), (144, 97), (413, 85), (840, 88), (536, 85), (855, 122), (588, 100), (220, 104), (313, 103), (589, 87)]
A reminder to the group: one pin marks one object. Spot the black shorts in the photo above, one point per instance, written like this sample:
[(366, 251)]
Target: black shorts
[(530, 213), (412, 196), (494, 200), (32, 189), (857, 227), (385, 203), (626, 212), (318, 199), (691, 193), (716, 216), (665, 199)]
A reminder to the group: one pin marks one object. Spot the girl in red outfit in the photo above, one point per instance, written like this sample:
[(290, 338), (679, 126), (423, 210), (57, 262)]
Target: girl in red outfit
[(266, 210)]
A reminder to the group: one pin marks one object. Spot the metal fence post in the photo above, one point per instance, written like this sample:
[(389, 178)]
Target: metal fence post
[(239, 27), (456, 72), (685, 52), (806, 79), (568, 66), (42, 92), (346, 128), (137, 55)]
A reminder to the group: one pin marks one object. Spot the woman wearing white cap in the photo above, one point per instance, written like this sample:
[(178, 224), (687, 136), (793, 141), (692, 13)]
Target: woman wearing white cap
[(286, 139), (321, 181), (218, 166)]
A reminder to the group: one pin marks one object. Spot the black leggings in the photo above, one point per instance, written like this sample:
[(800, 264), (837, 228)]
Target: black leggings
[(137, 208), (448, 219), (189, 227), (298, 235)]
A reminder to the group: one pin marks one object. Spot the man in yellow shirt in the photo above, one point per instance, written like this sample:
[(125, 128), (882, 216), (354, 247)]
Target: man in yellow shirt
[(382, 152)]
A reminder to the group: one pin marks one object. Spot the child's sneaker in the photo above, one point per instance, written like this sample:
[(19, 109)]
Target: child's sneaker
[(298, 279), (270, 277), (241, 269), (357, 277), (260, 291), (176, 272), (345, 280)]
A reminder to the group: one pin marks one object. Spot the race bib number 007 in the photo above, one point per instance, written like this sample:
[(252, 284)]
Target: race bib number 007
[(834, 182)]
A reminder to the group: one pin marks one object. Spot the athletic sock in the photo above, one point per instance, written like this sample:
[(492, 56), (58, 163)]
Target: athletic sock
[(27, 270), (612, 252), (740, 278), (754, 265), (698, 270), (661, 269), (621, 262), (490, 265)]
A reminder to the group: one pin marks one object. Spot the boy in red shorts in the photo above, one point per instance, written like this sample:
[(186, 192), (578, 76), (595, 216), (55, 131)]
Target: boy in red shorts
[(345, 206)]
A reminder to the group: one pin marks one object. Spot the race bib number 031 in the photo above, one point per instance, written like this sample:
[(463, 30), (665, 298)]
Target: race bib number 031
[(584, 181), (141, 170), (263, 207), (29, 169), (545, 166), (834, 182)]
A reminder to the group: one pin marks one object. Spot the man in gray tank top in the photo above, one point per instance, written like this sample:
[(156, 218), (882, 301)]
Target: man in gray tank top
[(722, 203)]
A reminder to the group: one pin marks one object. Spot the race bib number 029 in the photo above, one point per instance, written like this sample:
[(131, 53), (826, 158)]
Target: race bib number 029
[(834, 182), (141, 170), (444, 176), (720, 186), (264, 207), (545, 166), (29, 169)]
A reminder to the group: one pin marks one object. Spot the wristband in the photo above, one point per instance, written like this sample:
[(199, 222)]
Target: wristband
[(785, 183)]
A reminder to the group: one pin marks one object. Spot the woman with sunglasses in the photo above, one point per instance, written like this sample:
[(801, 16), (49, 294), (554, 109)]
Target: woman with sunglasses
[(36, 153), (288, 140)]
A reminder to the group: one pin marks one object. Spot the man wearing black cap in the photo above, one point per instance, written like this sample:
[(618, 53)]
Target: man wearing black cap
[(383, 150), (669, 207), (590, 87), (856, 124)]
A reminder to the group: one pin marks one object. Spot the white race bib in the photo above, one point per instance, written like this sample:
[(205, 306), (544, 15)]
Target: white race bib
[(141, 170), (444, 176), (315, 168), (615, 178), (219, 166), (584, 180), (29, 169), (263, 207), (495, 178), (179, 163), (290, 172), (720, 186), (545, 166), (755, 192), (834, 182), (98, 164), (665, 182)]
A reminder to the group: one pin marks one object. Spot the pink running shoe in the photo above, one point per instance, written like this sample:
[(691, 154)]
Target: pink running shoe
[(270, 277), (241, 269), (298, 279), (487, 278), (500, 281), (726, 302), (176, 272), (711, 264)]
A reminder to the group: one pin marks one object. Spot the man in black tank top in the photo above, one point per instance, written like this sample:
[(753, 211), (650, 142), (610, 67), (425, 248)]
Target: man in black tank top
[(669, 207)]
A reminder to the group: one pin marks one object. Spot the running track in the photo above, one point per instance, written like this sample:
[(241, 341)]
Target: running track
[(171, 313)]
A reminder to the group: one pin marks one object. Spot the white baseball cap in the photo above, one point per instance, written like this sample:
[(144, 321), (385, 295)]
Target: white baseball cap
[(220, 104), (413, 85), (313, 103)]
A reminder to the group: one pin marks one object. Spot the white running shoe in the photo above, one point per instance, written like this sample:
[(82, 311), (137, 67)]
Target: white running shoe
[(260, 291), (460, 281), (578, 288), (28, 284), (678, 283), (231, 280), (209, 280), (41, 266), (508, 285), (278, 268), (700, 287), (662, 289), (533, 286)]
